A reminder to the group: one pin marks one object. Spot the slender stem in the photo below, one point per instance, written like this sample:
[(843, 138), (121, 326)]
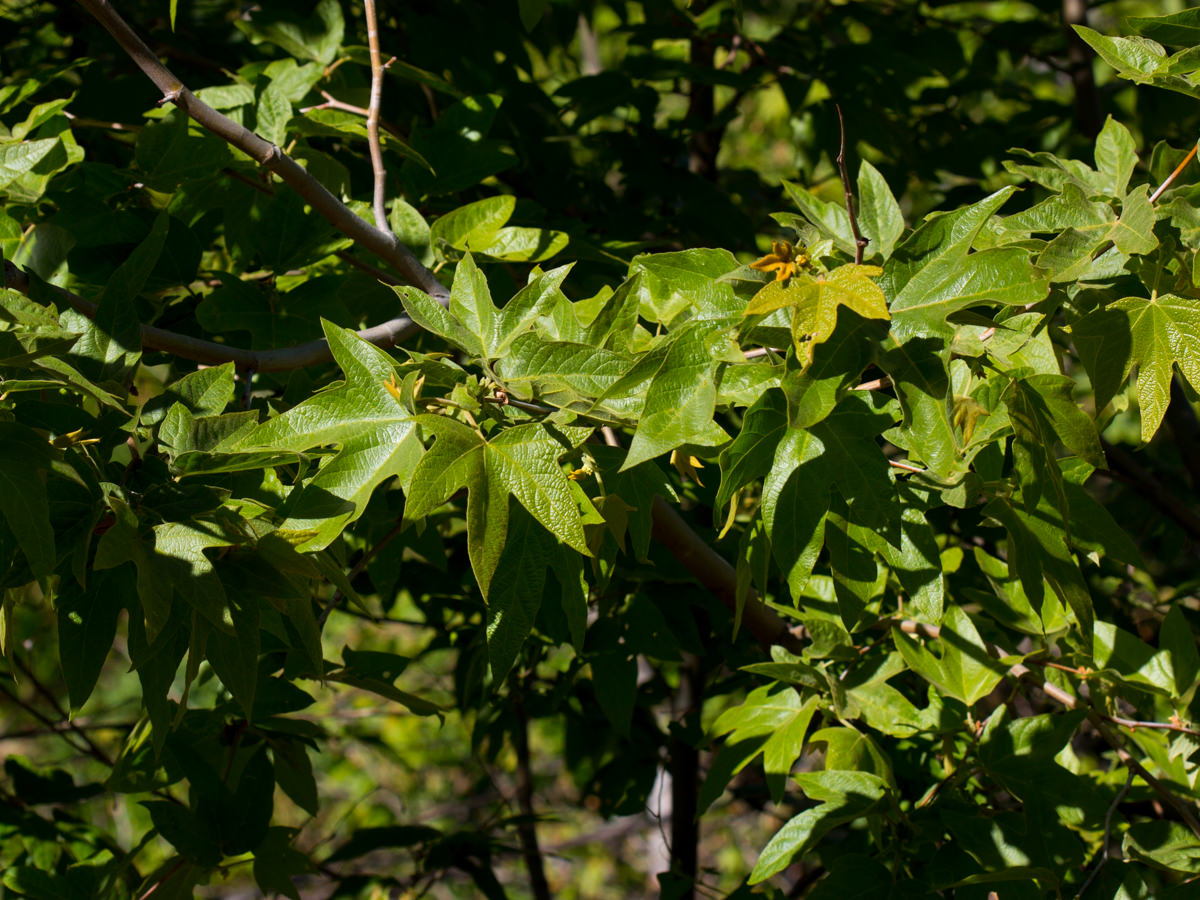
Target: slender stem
[(377, 203), (1105, 849), (47, 721), (383, 244), (860, 242), (93, 748), (167, 875), (361, 566), (1170, 178)]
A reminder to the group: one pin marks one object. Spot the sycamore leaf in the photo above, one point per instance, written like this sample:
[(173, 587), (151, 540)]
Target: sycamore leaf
[(521, 462), (964, 670), (815, 302), (1038, 550), (678, 379), (772, 720), (374, 432), (795, 501), (932, 273), (1153, 333)]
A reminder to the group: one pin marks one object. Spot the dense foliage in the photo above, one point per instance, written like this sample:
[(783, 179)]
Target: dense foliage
[(598, 491)]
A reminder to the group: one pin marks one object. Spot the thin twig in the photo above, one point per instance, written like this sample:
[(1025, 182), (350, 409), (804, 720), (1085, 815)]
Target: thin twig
[(93, 748), (377, 202), (167, 875), (386, 334), (1170, 178), (860, 242), (1105, 849), (360, 567), (47, 721), (380, 242)]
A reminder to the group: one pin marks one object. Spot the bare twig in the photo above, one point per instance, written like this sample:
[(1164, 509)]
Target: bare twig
[(382, 243), (377, 202), (1170, 178), (1105, 848), (360, 567), (386, 334), (93, 749), (860, 242)]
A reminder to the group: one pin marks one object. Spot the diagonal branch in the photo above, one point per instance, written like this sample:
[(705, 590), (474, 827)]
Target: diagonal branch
[(383, 244), (386, 334)]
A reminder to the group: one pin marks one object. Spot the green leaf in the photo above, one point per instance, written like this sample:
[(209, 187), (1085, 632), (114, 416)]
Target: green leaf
[(685, 285), (277, 862), (531, 12), (751, 453), (846, 795), (172, 151), (436, 319), (471, 304), (315, 35), (1175, 637), (1020, 752), (473, 226), (528, 305), (879, 214), (1116, 154), (525, 245), (273, 112), (567, 375), (795, 501), (516, 593), (374, 432), (830, 219), (1163, 844), (964, 670), (918, 370), (87, 627), (1182, 29), (913, 556), (1038, 549), (24, 457), (681, 393), (18, 158), (521, 462), (1154, 333), (775, 712)]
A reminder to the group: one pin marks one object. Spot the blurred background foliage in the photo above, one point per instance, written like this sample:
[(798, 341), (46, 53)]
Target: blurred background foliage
[(629, 126)]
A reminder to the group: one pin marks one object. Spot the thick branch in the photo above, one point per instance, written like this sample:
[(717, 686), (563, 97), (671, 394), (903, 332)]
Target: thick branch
[(714, 572), (381, 243), (386, 334)]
